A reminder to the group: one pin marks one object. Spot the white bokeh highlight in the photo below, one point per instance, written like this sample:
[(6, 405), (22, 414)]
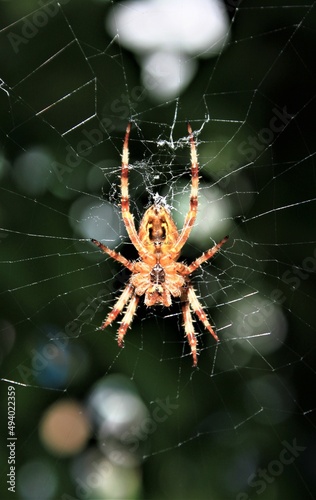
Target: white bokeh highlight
[(167, 37)]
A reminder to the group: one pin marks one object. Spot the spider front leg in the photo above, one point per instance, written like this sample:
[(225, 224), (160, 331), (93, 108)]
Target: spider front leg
[(126, 214), (189, 299), (191, 215)]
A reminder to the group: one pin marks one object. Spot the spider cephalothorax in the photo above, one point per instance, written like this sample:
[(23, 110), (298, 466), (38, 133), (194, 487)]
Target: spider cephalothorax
[(156, 274)]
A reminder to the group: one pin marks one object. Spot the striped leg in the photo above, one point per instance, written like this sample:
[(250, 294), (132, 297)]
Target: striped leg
[(191, 215), (205, 256), (119, 305), (188, 326), (114, 255), (199, 311), (127, 319), (126, 215)]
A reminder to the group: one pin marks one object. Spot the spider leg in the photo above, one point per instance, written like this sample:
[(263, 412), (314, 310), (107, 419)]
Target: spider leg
[(199, 311), (191, 215), (188, 325), (114, 255), (126, 214), (127, 319), (118, 306), (205, 256)]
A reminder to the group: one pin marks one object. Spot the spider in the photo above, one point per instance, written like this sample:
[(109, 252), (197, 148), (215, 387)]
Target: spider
[(156, 274)]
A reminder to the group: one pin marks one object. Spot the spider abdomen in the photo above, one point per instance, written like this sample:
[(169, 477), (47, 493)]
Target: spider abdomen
[(157, 274)]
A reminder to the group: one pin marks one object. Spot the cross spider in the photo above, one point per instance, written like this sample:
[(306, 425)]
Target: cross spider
[(157, 274)]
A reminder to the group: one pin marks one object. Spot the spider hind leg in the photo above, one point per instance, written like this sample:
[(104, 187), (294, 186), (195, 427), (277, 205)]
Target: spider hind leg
[(188, 326), (199, 311), (188, 300), (127, 319), (128, 296), (118, 306)]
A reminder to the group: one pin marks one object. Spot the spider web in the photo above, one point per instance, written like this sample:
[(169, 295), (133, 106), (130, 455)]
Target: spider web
[(140, 422)]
